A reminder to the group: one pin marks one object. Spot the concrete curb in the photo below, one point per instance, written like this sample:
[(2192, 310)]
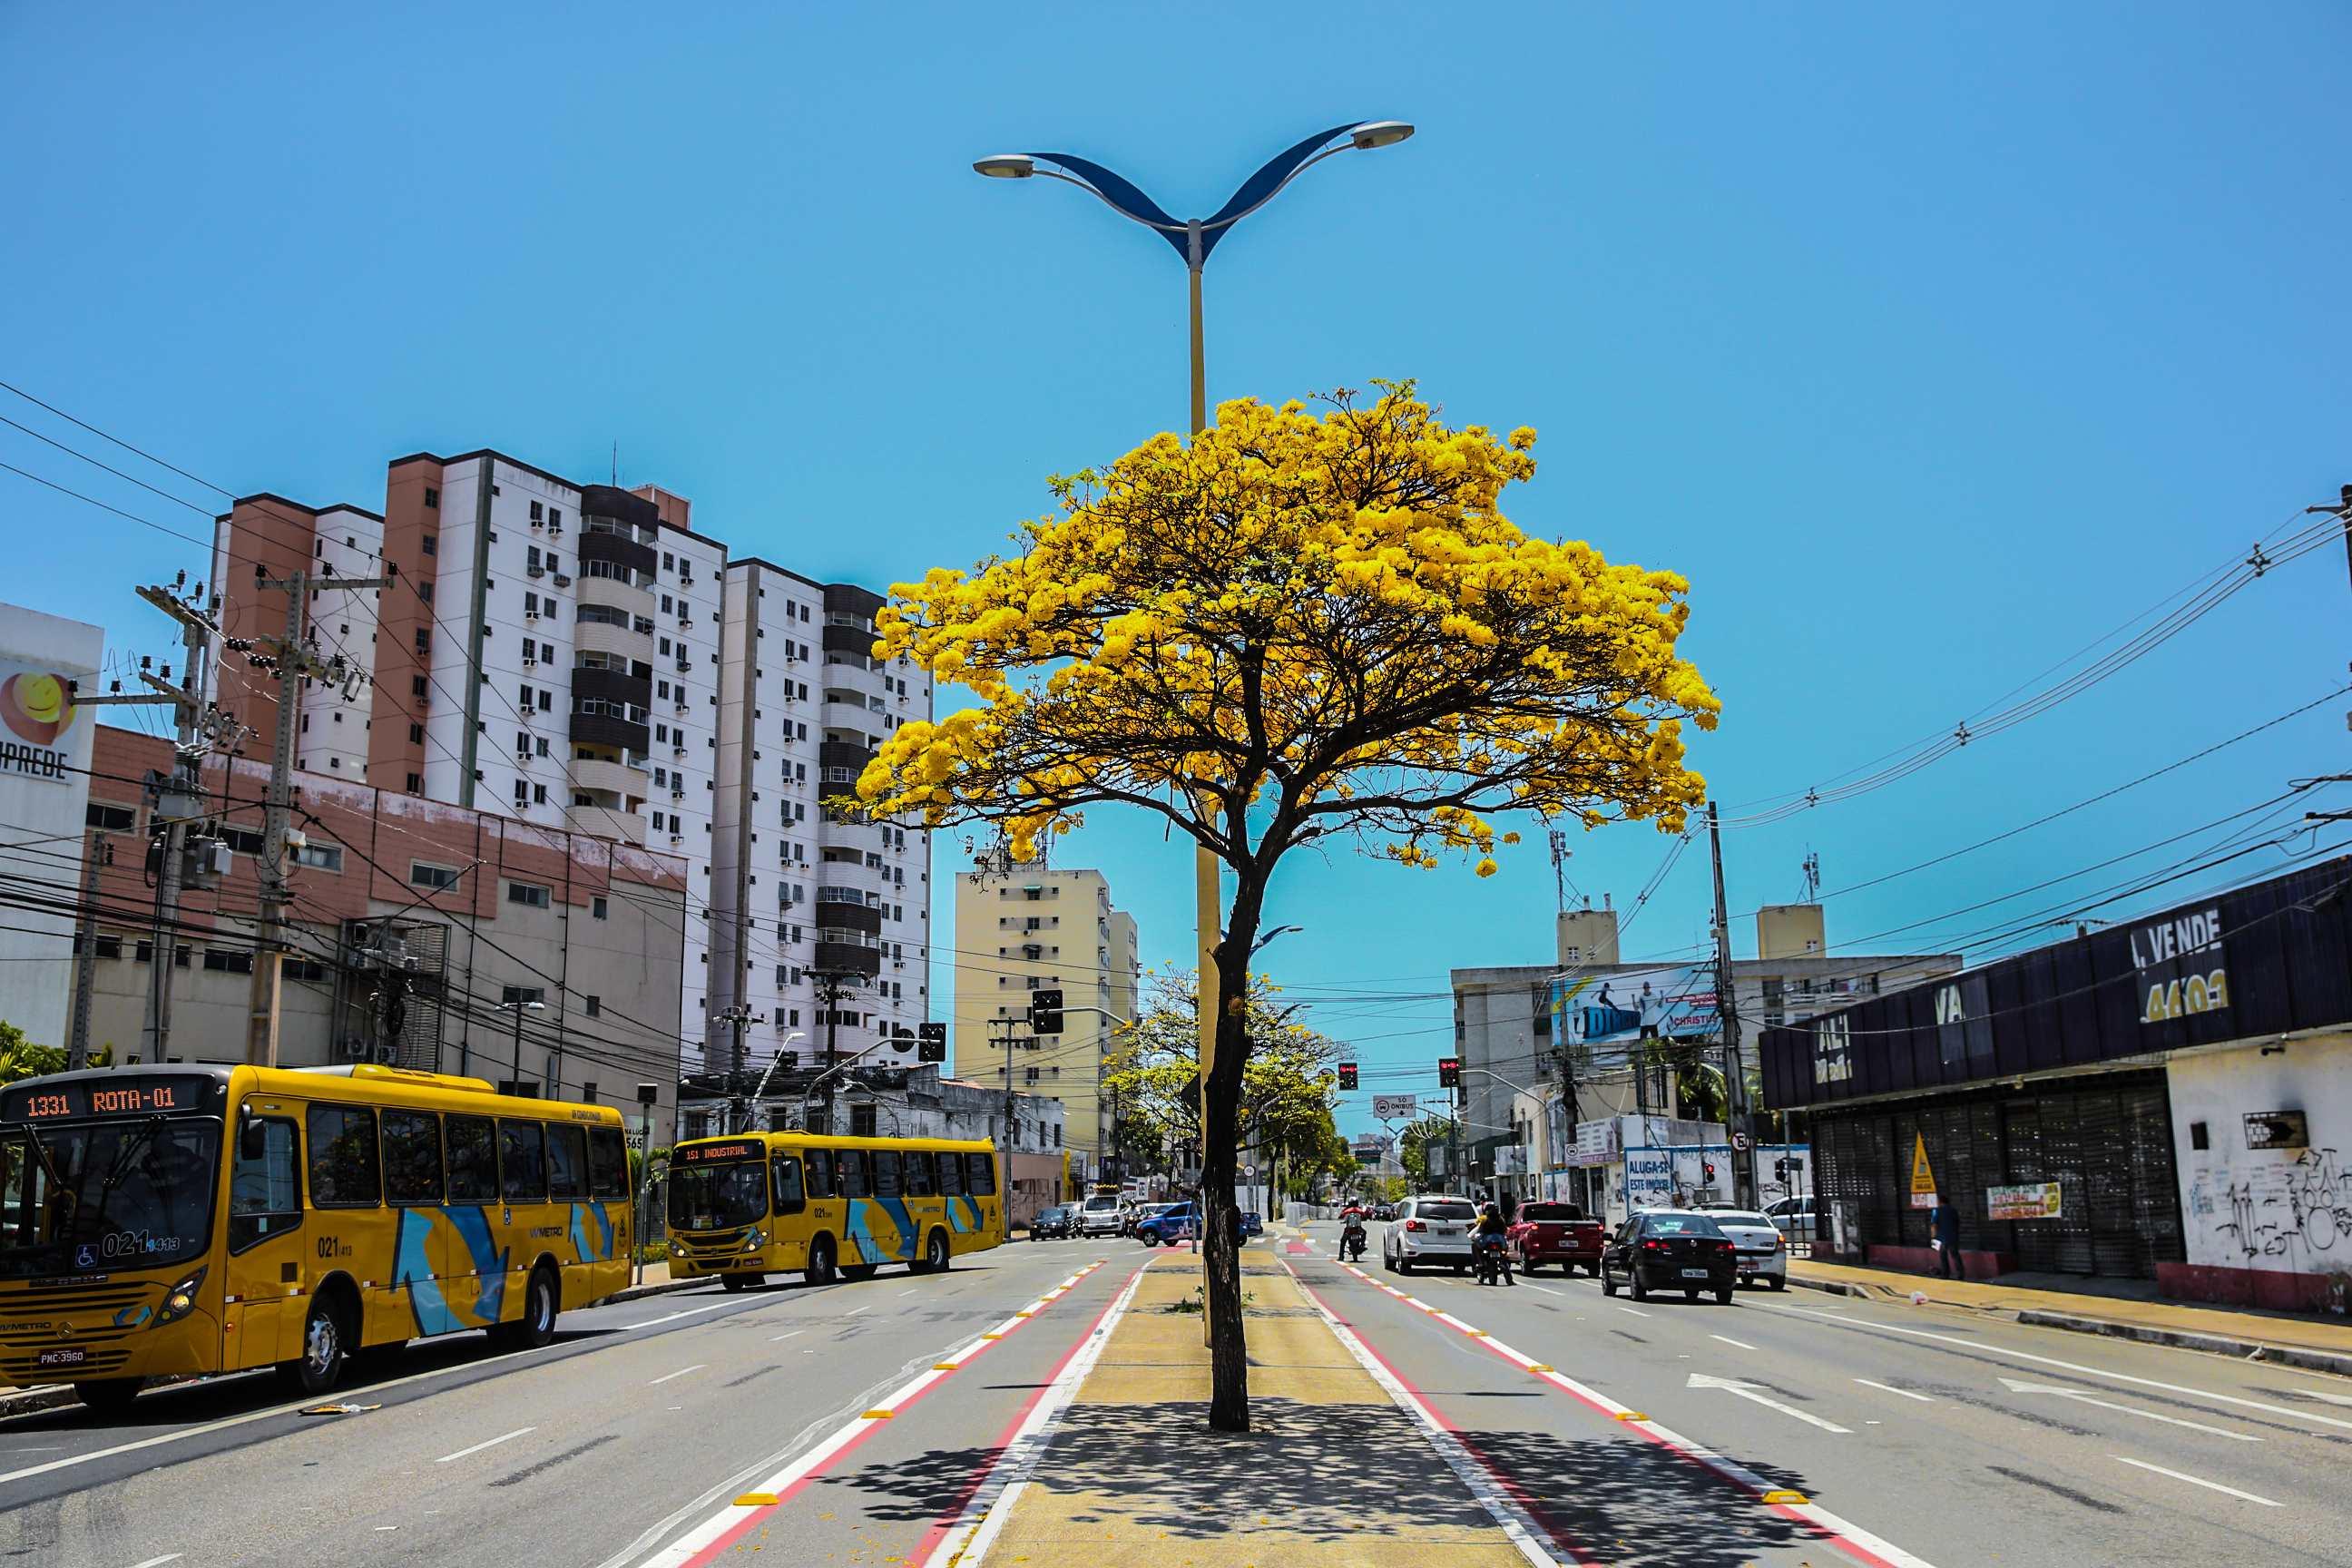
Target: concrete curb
[(49, 1396), (1828, 1287), (2182, 1339)]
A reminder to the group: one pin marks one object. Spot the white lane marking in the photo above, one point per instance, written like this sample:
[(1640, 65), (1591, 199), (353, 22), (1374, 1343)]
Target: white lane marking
[(1505, 1510), (673, 1317), (159, 1562), (2196, 1480), (967, 1543), (2007, 1354), (854, 1310), (1726, 1339), (910, 1292), (2331, 1398), (681, 1372), (1635, 1310), (690, 1545), (1749, 1391), (2017, 1386), (774, 1339), (1888, 1554), (1890, 1388), (1545, 1288), (489, 1442)]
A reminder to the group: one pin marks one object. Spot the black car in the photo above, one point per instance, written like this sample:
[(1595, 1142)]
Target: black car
[(1670, 1249), (1051, 1224)]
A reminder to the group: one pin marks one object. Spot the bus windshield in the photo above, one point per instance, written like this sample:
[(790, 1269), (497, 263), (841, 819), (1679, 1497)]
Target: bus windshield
[(91, 1196), (719, 1196)]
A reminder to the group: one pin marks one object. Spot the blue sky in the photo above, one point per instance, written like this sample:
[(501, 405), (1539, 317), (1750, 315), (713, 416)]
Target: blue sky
[(1931, 344)]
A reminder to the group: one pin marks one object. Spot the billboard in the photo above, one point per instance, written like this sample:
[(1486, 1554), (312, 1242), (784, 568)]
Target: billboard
[(1674, 1001), (45, 757)]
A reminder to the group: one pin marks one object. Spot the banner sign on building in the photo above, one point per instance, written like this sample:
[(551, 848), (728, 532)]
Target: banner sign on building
[(1649, 1178), (1922, 1178), (46, 741), (2035, 1200), (1395, 1107), (1675, 1002), (37, 724)]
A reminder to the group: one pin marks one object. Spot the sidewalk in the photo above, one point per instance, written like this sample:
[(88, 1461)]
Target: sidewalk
[(2320, 1345), (1132, 1474)]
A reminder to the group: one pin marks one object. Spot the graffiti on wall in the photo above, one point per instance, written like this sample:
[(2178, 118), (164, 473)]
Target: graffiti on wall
[(2287, 1214)]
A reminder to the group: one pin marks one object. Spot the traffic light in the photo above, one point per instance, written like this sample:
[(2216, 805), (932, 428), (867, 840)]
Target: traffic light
[(1449, 1072), (1781, 1170), (1347, 1075), (1045, 1013), (933, 1046)]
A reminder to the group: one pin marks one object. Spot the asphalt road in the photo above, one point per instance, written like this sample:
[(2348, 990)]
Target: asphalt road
[(639, 1424), (1957, 1439)]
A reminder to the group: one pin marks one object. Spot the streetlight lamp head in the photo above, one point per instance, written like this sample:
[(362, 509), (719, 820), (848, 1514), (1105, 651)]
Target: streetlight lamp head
[(1019, 165), (1377, 133)]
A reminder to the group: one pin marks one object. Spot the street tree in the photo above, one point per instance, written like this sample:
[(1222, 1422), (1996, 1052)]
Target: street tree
[(1153, 1069), (1304, 628)]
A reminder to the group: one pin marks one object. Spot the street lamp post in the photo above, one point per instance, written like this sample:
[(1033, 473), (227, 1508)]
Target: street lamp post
[(519, 1009), (1193, 239)]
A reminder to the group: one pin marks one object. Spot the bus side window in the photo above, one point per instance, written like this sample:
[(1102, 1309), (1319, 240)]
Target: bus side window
[(522, 1163), (344, 1171), (951, 1174), (849, 1167), (567, 1163), (608, 1164), (787, 1177), (919, 1170), (265, 1186), (820, 1173), (886, 1173), (980, 1170), (473, 1160), (412, 1157)]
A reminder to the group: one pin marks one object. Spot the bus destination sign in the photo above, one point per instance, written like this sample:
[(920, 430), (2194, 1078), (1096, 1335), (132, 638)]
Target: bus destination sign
[(717, 1153), (127, 1094)]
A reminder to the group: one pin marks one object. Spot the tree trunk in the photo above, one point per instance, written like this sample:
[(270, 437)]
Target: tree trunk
[(1220, 1139)]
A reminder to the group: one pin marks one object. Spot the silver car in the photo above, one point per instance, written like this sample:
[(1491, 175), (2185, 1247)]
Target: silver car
[(1763, 1256), (1433, 1229), (1102, 1213)]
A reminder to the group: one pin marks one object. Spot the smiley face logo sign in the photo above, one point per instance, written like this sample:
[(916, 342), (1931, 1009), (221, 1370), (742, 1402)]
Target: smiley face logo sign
[(37, 713)]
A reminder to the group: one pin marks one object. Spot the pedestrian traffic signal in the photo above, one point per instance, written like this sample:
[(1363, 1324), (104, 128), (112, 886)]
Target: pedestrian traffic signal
[(1449, 1072), (1347, 1074), (1045, 1013)]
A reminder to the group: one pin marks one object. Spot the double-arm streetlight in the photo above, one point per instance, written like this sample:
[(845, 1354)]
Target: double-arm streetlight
[(519, 1008), (1193, 239)]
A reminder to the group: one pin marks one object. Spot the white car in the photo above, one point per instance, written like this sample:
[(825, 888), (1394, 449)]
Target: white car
[(1104, 1214), (1794, 1217), (1433, 1229), (1763, 1256)]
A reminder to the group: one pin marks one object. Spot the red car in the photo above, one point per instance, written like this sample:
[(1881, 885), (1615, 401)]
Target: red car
[(1555, 1232)]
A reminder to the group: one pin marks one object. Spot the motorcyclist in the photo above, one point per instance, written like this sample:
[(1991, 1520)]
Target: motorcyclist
[(1351, 1233), (1490, 1232)]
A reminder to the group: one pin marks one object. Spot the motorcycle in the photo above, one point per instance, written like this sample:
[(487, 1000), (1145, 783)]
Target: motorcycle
[(1493, 1264), (1351, 1242)]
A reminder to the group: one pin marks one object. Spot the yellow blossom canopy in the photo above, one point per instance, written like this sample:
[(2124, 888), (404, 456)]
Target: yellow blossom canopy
[(1302, 622)]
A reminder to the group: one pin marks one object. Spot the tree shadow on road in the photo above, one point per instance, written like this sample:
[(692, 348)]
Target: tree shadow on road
[(1354, 1473)]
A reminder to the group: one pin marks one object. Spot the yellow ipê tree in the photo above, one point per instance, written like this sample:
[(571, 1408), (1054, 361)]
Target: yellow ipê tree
[(1305, 625)]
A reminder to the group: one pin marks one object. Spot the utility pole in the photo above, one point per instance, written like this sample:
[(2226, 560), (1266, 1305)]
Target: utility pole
[(292, 659), (100, 852), (1727, 1005), (178, 800), (2341, 508), (739, 1070), (831, 983)]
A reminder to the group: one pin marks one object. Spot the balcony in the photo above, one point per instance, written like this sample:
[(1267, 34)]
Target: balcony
[(622, 642), (618, 779), (603, 822), (617, 550), (605, 730), (859, 959), (615, 685)]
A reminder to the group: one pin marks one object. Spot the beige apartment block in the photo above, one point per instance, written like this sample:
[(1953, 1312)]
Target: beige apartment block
[(1028, 929)]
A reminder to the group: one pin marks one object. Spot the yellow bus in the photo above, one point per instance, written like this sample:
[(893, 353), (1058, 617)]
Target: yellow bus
[(744, 1207), (167, 1220)]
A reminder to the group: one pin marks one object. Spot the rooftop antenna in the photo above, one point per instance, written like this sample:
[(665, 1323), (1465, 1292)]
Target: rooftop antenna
[(1561, 885), (617, 464), (1812, 878)]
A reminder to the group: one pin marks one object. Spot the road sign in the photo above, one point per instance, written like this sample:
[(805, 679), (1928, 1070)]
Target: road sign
[(1395, 1107), (1740, 1140), (1923, 1179)]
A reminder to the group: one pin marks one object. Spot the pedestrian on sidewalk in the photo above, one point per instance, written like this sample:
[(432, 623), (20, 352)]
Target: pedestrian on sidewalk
[(1947, 1243)]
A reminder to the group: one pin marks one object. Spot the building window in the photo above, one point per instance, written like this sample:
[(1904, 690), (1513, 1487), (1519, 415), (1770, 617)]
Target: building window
[(523, 993), (225, 962), (417, 688), (523, 792), (432, 499), (423, 874), (527, 893), (539, 794), (425, 591), (415, 736), (113, 818), (593, 1005), (415, 781), (320, 856), (598, 909)]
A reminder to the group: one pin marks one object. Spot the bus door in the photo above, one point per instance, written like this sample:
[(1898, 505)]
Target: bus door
[(264, 1267), (788, 1208), (826, 1208), (463, 1247)]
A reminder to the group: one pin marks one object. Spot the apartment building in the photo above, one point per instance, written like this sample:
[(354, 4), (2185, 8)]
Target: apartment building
[(550, 651), (1030, 928), (810, 902)]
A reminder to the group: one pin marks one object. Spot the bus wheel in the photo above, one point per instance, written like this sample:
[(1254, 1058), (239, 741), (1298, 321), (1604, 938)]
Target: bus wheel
[(110, 1397), (820, 1263), (324, 1349), (537, 1325), (936, 1255)]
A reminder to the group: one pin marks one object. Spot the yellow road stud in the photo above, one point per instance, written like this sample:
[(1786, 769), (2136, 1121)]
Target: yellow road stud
[(875, 1415), (1784, 1495), (756, 1499), (1632, 1415), (1539, 1366)]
